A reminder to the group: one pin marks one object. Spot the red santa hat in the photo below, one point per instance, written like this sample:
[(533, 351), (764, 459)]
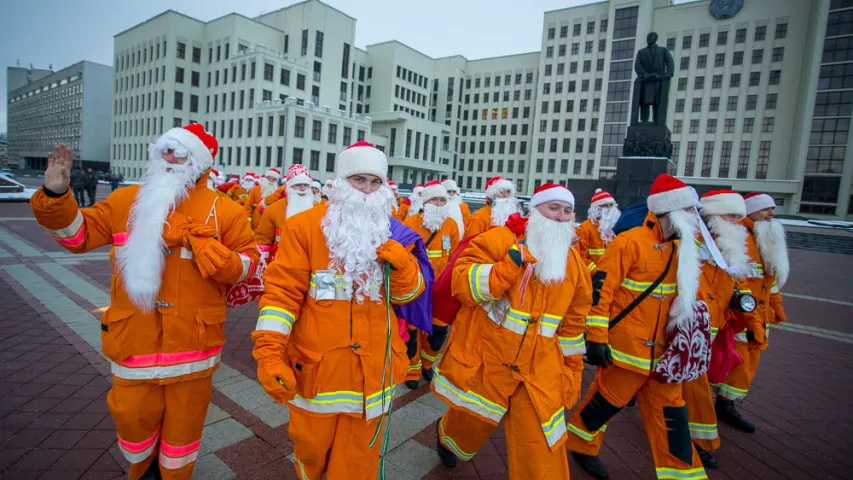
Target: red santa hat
[(200, 143), (362, 158), (722, 202), (298, 174), (419, 188), (393, 185), (551, 192), (450, 185), (274, 172), (496, 185), (756, 201), (669, 194), (433, 189), (600, 197), (234, 178)]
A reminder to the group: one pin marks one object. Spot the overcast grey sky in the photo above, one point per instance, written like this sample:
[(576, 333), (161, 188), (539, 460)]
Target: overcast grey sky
[(62, 32)]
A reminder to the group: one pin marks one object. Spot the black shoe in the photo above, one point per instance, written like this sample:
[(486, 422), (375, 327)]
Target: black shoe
[(448, 459), (632, 403), (427, 374), (708, 460), (412, 384), (153, 472), (727, 413), (591, 465)]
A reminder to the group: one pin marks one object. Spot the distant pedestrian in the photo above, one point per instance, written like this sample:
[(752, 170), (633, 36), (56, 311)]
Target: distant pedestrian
[(91, 185), (114, 182), (78, 184)]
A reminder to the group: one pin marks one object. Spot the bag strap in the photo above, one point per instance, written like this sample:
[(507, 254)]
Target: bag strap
[(429, 240), (624, 313)]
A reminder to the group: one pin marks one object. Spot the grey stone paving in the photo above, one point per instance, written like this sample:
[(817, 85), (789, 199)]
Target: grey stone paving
[(21, 247), (210, 467), (250, 395)]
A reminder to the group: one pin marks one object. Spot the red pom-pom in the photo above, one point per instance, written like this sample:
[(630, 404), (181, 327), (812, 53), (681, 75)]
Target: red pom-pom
[(517, 224)]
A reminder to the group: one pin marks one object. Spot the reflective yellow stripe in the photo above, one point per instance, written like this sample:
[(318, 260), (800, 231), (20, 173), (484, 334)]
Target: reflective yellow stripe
[(449, 443), (411, 295), (703, 431), (415, 367), (555, 427), (435, 253), (730, 392), (572, 345), (681, 473), (597, 321), (663, 288), (631, 360), (596, 251), (467, 400), (275, 319), (582, 433), (430, 357), (591, 266), (478, 281)]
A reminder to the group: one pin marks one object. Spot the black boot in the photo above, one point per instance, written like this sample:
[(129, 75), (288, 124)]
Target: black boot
[(632, 403), (727, 413), (448, 459), (427, 374), (708, 460), (412, 384), (153, 471), (591, 465)]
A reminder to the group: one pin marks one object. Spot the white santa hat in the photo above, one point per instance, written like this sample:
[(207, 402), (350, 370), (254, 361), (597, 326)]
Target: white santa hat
[(496, 185), (362, 158), (216, 177), (756, 201), (274, 172), (418, 190), (298, 174), (450, 185), (432, 190), (669, 194), (551, 192), (600, 197), (198, 141), (316, 184), (393, 186), (722, 202)]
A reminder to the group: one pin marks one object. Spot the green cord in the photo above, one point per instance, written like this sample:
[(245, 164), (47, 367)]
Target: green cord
[(385, 363)]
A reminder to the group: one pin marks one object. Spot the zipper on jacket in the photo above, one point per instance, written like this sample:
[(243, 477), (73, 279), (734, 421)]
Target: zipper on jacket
[(513, 366)]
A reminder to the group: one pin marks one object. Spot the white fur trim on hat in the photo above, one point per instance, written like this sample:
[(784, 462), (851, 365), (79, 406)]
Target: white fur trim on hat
[(723, 204), (273, 171), (758, 202), (316, 184), (194, 144), (450, 185), (672, 200), (433, 191), (561, 194), (362, 159), (299, 180), (499, 186)]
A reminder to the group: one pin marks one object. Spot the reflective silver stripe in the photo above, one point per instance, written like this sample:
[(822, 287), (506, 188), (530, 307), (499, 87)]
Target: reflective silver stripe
[(774, 288), (138, 457), (160, 371), (331, 402), (703, 431), (467, 400), (555, 427), (273, 326), (741, 337), (277, 238), (548, 324), (478, 281), (407, 297), (275, 319), (572, 345), (377, 404), (176, 463), (247, 266), (70, 230), (515, 321), (714, 332), (325, 286), (186, 254)]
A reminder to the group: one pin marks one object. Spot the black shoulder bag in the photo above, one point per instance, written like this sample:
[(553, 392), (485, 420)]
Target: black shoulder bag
[(624, 313)]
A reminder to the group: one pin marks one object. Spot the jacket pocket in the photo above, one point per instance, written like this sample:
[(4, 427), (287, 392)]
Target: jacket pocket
[(115, 333), (306, 367), (461, 369), (210, 323), (400, 358)]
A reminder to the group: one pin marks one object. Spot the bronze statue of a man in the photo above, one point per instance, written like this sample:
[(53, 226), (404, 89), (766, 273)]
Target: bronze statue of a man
[(654, 67)]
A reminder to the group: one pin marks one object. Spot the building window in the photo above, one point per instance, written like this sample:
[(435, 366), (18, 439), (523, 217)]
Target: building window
[(757, 55), (317, 130), (725, 160), (179, 101), (767, 126), (711, 126), (732, 103), (748, 124), (694, 126), (760, 33), (690, 159), (754, 78), (717, 81), (778, 54), (720, 60), (682, 84), (686, 42), (676, 126), (751, 102), (195, 78), (743, 159), (297, 156), (781, 30), (763, 160), (318, 44), (775, 77), (704, 39), (679, 105), (182, 50), (740, 35), (194, 103), (179, 75), (299, 127), (707, 159), (670, 44), (697, 105), (196, 55), (820, 190), (685, 63), (734, 80), (699, 83), (737, 58), (715, 104)]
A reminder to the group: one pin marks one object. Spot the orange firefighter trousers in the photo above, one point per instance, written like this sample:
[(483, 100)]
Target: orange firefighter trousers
[(161, 422), (701, 415), (528, 454), (426, 357), (736, 386), (664, 417), (335, 446)]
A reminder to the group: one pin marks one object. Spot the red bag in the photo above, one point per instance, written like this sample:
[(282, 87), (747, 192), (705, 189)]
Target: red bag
[(226, 186), (724, 357), (687, 356), (248, 290), (444, 304)]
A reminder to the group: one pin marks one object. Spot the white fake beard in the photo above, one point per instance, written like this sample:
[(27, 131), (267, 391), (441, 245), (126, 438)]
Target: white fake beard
[(605, 219), (454, 211), (434, 217), (298, 202), (416, 205), (455, 200), (248, 184), (686, 225), (549, 241), (318, 197), (770, 236), (268, 187), (502, 208), (355, 225), (141, 260), (731, 240)]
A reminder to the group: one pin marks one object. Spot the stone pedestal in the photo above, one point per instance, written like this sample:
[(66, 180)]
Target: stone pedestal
[(647, 140), (634, 177)]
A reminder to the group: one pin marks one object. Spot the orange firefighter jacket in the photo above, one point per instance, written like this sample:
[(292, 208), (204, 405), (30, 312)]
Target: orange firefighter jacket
[(479, 222), (466, 212), (443, 243), (503, 337), (590, 245), (632, 262), (335, 345), (401, 210), (268, 232), (763, 287), (238, 194), (255, 204), (182, 337)]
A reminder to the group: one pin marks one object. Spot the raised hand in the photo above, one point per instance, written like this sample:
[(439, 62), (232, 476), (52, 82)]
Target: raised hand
[(57, 177)]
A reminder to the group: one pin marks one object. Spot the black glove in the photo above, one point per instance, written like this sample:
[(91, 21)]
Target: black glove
[(412, 344), (750, 337), (436, 340), (515, 256), (598, 354)]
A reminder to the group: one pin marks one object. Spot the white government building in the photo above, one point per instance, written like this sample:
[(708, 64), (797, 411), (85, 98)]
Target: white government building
[(761, 100)]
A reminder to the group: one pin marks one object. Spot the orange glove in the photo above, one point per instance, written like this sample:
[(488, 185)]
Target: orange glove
[(575, 373), (394, 253), (277, 379), (212, 257), (173, 230)]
